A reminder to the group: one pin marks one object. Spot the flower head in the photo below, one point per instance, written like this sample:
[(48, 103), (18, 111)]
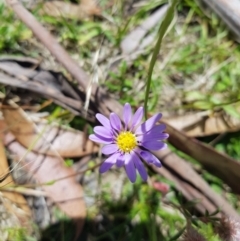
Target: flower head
[(192, 235), (228, 229), (128, 143)]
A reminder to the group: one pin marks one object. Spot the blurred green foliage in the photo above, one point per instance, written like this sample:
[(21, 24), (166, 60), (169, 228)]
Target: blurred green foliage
[(12, 31)]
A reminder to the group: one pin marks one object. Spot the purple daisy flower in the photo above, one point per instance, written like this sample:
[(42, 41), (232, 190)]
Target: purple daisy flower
[(128, 143)]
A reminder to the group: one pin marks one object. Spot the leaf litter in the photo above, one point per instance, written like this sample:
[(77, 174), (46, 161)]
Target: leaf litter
[(40, 154), (182, 183)]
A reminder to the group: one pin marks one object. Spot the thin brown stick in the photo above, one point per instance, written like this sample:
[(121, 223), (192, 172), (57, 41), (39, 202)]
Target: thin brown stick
[(50, 42)]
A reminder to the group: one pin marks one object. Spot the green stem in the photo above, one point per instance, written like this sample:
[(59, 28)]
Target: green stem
[(162, 30)]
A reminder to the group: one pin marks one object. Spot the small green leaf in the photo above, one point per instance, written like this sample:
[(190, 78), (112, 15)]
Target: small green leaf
[(202, 105), (85, 38), (178, 235), (68, 162), (50, 183), (194, 95), (231, 110)]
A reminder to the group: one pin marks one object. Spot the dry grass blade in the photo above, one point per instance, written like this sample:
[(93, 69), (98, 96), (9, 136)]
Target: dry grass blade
[(14, 202), (25, 191)]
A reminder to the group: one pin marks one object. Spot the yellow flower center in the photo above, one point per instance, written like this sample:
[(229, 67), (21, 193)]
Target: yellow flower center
[(126, 141)]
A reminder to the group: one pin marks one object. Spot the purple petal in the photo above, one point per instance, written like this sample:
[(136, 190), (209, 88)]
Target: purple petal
[(115, 121), (140, 167), (120, 161), (109, 149), (102, 131), (103, 120), (150, 158), (137, 117), (127, 114), (148, 125), (155, 133), (130, 168), (158, 128), (152, 136), (154, 145), (108, 163), (100, 139)]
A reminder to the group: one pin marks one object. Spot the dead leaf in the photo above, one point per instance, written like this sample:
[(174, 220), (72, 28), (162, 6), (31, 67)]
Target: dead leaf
[(205, 123), (44, 138), (66, 142), (62, 186), (84, 10)]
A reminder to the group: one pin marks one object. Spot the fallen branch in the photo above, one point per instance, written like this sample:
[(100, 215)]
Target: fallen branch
[(100, 97)]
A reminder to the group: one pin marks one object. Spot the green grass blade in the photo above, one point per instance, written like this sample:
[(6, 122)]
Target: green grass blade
[(161, 32)]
